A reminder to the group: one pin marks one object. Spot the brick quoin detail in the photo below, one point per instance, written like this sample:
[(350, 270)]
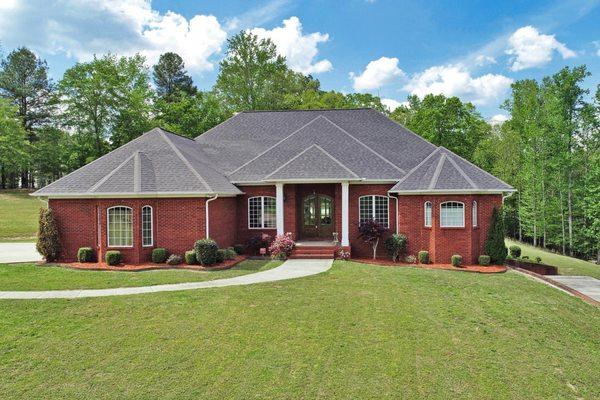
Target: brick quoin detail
[(179, 222)]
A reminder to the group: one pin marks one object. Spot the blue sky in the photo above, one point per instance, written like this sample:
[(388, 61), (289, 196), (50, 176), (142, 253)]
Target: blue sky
[(472, 49)]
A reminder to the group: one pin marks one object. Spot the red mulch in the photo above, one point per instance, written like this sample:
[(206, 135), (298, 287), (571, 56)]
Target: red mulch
[(491, 269), (150, 266)]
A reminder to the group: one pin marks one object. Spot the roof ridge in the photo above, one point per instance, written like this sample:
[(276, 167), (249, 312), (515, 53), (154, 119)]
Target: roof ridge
[(460, 171), (304, 151), (305, 110), (409, 173), (479, 168), (367, 147), (107, 176), (137, 172), (275, 145), (186, 161), (436, 173)]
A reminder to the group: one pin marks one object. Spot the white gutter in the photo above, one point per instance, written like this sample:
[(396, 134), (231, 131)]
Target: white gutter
[(397, 216), (208, 215), (507, 196)]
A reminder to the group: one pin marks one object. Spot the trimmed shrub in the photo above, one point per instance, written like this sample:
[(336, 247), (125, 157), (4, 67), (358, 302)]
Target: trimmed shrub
[(221, 254), (538, 260), (456, 260), (113, 257), (174, 259), (159, 255), (85, 254), (494, 244), (239, 248), (515, 251), (190, 257), (230, 253), (206, 251), (48, 244), (484, 260), (395, 246), (423, 257)]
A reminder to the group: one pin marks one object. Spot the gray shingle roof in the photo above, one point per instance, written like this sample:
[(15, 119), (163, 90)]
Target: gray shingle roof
[(157, 162), (444, 171)]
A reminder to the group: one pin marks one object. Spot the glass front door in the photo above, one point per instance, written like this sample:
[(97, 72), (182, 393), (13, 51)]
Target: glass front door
[(317, 217)]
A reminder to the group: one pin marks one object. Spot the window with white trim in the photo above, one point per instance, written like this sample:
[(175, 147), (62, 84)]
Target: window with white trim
[(147, 234), (427, 213), (452, 214), (120, 226), (474, 214), (373, 208), (262, 212)]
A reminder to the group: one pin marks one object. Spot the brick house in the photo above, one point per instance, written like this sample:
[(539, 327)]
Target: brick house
[(315, 173)]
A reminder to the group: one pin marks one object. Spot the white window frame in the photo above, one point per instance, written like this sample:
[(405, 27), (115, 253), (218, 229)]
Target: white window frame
[(262, 212), (427, 214), (151, 225), (463, 214), (108, 228), (474, 216), (373, 208)]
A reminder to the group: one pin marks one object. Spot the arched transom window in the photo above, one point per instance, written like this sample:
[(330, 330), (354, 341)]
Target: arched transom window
[(474, 211), (427, 213), (452, 214), (147, 231), (120, 227)]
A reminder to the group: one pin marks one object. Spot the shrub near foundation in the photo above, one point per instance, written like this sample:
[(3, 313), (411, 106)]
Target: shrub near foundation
[(484, 260), (85, 254), (113, 257), (206, 251), (423, 257), (456, 260), (159, 255), (190, 257)]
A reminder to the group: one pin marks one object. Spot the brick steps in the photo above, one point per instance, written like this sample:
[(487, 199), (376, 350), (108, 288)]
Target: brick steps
[(313, 252)]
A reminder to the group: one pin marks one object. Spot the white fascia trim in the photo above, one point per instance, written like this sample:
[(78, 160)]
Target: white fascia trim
[(453, 191), (324, 180), (86, 195)]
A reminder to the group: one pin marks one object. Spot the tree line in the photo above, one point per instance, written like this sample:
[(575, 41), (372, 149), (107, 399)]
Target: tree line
[(548, 149)]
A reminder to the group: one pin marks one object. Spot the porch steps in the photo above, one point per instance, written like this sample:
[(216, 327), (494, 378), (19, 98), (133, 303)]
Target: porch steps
[(313, 252)]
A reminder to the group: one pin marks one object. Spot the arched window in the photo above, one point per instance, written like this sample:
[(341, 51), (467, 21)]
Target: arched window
[(427, 213), (474, 214), (120, 227), (373, 208), (452, 214), (147, 233), (262, 212)]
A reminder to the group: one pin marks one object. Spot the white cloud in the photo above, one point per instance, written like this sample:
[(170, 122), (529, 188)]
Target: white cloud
[(377, 74), (81, 29), (482, 60), (499, 119), (392, 104), (530, 48), (300, 50), (257, 16), (456, 80)]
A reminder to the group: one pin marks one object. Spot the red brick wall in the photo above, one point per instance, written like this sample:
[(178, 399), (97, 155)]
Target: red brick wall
[(223, 219), (77, 225)]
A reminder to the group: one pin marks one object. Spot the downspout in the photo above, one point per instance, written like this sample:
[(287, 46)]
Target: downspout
[(397, 216), (208, 215), (507, 196)]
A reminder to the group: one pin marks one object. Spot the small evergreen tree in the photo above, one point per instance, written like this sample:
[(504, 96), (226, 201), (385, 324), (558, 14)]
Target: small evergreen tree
[(48, 244), (494, 244)]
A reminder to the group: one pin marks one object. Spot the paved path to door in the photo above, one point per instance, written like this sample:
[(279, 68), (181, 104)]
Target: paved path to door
[(18, 252), (583, 284), (288, 270)]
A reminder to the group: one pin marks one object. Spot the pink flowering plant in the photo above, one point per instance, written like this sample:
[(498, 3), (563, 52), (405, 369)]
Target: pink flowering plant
[(282, 246), (343, 255)]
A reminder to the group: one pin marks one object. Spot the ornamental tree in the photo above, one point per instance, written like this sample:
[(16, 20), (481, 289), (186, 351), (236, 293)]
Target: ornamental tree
[(370, 232)]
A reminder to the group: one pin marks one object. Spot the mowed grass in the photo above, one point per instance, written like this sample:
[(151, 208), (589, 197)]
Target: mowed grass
[(566, 265), (19, 214), (35, 277), (355, 332)]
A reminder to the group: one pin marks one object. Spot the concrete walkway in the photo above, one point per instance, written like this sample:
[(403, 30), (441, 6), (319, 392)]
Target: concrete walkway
[(288, 270), (583, 284), (18, 252)]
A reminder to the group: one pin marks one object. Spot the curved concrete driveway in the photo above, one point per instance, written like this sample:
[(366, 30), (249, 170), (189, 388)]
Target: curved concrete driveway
[(288, 270), (18, 252)]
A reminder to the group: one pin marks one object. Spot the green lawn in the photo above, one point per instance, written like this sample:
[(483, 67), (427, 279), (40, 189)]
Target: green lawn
[(35, 277), (355, 332), (566, 265), (19, 216)]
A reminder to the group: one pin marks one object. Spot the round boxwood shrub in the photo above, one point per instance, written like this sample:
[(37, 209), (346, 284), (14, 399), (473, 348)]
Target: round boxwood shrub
[(206, 251), (85, 254), (239, 248), (221, 255), (484, 260), (113, 257), (159, 255), (423, 257), (456, 260), (174, 259), (515, 251), (230, 253), (190, 257), (395, 246)]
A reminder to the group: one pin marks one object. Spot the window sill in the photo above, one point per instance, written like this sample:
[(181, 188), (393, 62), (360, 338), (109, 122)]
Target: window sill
[(452, 227)]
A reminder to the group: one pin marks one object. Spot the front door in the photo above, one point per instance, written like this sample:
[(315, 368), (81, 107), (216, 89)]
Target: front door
[(317, 217)]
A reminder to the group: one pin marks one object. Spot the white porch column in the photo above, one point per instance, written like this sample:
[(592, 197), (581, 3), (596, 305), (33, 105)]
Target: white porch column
[(279, 207), (345, 219)]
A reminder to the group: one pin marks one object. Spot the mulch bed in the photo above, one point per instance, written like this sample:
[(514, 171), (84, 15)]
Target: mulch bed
[(491, 269), (148, 266)]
